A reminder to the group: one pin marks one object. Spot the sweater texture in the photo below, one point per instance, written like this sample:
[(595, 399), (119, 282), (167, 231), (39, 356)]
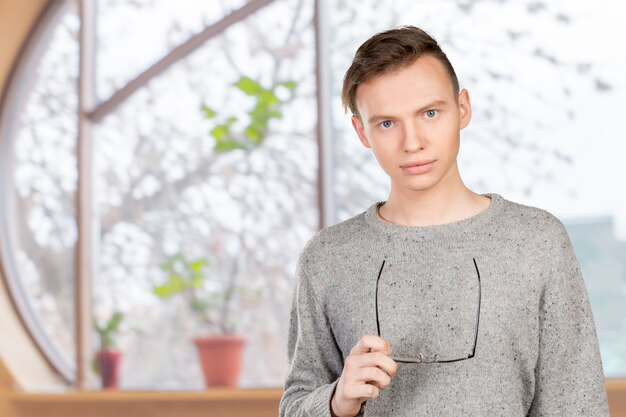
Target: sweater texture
[(536, 353)]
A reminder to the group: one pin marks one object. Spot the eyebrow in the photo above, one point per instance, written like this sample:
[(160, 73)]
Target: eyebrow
[(379, 118)]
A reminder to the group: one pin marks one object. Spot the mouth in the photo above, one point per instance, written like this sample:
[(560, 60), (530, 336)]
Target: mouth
[(417, 163), (418, 167)]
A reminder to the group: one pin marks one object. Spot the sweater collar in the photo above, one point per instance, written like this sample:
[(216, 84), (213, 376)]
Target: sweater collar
[(460, 227)]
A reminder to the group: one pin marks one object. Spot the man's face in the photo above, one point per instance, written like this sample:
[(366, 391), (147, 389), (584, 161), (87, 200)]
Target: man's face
[(411, 120)]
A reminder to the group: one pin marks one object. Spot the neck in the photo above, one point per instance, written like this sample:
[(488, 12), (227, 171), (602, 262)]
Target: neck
[(444, 203)]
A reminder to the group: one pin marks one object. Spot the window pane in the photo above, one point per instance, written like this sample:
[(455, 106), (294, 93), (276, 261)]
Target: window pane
[(148, 29), (546, 117), (42, 217), (163, 189)]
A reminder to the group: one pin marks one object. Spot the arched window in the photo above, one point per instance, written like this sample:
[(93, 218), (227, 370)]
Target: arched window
[(215, 132)]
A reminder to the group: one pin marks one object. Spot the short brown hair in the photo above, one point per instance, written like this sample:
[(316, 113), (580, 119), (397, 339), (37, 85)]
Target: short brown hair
[(390, 51)]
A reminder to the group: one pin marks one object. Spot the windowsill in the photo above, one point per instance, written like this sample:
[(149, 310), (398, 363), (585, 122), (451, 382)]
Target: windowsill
[(213, 394), (616, 391), (216, 402)]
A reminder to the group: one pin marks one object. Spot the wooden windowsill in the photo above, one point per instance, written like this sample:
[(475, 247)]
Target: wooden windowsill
[(216, 402), (213, 394), (616, 390)]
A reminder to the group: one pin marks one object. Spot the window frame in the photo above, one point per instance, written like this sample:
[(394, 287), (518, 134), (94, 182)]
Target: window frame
[(15, 92), (90, 112)]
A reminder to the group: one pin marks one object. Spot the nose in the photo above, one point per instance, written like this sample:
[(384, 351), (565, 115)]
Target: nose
[(413, 140)]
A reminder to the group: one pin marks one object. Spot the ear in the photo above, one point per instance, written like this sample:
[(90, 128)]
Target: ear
[(360, 131), (465, 108)]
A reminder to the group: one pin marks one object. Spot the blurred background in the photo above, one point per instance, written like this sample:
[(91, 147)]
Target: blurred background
[(218, 147)]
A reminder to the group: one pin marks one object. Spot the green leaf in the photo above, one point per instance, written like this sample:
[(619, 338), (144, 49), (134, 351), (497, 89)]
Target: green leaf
[(209, 113), (249, 86), (290, 85), (197, 264), (220, 131), (174, 285), (260, 116), (253, 134), (114, 322), (227, 145), (268, 98)]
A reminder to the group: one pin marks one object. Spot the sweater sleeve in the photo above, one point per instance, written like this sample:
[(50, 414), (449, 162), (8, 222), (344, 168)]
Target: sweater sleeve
[(569, 379), (315, 361)]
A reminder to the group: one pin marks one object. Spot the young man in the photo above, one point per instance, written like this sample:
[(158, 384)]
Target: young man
[(439, 301)]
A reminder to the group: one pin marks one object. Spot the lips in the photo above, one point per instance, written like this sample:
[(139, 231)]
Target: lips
[(417, 163), (418, 167)]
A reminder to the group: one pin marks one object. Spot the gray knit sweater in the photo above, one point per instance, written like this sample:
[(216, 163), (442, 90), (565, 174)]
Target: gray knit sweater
[(536, 352)]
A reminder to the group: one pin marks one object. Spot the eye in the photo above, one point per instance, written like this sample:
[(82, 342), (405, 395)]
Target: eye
[(386, 124), (431, 113)]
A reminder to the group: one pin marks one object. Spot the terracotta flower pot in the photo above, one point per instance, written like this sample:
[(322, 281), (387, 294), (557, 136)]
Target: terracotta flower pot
[(221, 358), (109, 366)]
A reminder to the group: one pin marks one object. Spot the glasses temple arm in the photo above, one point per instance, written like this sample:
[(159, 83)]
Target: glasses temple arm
[(477, 311), (376, 297)]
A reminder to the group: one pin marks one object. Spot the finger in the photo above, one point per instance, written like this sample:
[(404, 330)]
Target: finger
[(357, 391), (373, 359), (371, 342), (373, 375), (382, 361)]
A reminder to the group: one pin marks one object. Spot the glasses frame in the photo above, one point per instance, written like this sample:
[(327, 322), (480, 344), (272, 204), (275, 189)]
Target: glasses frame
[(435, 358)]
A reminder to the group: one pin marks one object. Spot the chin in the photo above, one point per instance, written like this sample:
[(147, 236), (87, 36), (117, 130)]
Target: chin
[(415, 186)]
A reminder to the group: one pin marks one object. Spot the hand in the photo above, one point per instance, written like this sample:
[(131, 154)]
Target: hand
[(366, 371)]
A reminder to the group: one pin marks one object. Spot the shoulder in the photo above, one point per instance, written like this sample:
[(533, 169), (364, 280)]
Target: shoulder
[(523, 218), (532, 223), (328, 250), (336, 238)]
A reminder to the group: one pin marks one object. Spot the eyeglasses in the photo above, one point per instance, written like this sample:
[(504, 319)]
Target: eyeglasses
[(435, 358)]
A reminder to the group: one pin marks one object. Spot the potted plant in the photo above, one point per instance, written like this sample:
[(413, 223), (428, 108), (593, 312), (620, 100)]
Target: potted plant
[(108, 357), (220, 348)]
